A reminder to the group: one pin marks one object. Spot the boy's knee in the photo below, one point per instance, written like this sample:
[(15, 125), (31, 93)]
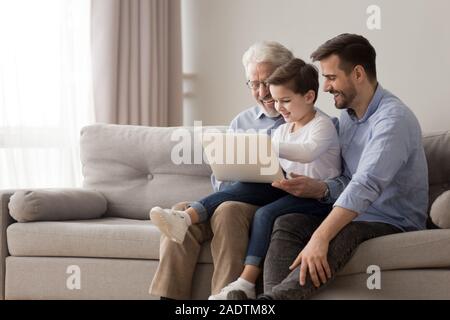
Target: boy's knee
[(263, 214)]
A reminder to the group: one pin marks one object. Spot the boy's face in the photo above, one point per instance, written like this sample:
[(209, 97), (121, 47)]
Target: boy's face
[(292, 106)]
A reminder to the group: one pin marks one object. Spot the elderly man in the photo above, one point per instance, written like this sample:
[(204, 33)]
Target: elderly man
[(229, 227), (384, 188)]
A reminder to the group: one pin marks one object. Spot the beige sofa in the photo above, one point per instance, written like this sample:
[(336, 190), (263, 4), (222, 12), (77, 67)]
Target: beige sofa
[(116, 255)]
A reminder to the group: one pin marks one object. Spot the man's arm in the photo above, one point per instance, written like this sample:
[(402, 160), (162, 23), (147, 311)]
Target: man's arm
[(305, 187)]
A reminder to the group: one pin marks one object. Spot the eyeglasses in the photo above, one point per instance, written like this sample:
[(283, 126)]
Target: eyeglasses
[(254, 85)]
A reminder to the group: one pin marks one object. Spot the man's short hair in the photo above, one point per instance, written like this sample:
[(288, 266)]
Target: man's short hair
[(352, 50), (298, 76), (266, 51)]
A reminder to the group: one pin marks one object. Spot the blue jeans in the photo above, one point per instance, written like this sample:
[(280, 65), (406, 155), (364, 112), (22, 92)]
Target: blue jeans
[(274, 202)]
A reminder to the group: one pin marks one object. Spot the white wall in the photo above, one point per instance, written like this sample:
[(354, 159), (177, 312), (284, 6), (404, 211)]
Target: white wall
[(413, 48)]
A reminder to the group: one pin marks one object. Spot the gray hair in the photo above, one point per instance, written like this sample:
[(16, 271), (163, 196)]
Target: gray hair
[(266, 51)]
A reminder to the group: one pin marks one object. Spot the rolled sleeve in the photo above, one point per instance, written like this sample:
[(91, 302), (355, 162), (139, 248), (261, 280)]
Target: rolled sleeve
[(336, 186)]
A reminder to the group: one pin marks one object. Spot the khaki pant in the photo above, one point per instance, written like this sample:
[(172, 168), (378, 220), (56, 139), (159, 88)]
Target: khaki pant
[(228, 231)]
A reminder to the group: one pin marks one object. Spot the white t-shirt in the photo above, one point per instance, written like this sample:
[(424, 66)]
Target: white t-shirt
[(312, 150)]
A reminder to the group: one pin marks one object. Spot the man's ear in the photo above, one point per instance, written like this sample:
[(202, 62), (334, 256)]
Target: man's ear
[(310, 96), (359, 73)]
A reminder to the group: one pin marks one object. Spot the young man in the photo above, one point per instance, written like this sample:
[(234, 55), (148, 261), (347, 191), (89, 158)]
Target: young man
[(384, 165)]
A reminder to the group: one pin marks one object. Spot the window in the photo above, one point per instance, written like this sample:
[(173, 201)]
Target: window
[(45, 91)]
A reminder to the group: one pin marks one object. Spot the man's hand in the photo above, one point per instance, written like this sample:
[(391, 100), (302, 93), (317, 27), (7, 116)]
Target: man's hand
[(313, 258), (302, 186)]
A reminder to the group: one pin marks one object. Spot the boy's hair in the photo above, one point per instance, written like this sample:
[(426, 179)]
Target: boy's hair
[(298, 76), (352, 50)]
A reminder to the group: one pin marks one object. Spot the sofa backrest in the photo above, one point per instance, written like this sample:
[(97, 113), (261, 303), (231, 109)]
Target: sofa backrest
[(132, 167), (437, 150)]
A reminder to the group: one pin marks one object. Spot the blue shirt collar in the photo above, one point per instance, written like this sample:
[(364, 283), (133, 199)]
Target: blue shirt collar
[(373, 106), (260, 114)]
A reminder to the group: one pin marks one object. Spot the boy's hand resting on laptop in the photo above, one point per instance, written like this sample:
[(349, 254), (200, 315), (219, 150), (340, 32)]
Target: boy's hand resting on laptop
[(302, 186)]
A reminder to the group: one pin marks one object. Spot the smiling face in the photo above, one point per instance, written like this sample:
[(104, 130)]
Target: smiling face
[(294, 107), (260, 72), (338, 83)]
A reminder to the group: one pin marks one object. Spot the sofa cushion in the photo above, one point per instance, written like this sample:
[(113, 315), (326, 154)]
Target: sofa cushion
[(408, 250), (132, 166), (135, 239), (437, 151), (103, 238), (56, 204), (440, 211)]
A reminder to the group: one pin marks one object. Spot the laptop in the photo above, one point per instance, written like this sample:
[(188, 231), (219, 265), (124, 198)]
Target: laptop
[(244, 157)]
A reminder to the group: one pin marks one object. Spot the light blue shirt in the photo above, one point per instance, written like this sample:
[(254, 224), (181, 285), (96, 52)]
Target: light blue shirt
[(254, 118), (250, 119), (384, 164)]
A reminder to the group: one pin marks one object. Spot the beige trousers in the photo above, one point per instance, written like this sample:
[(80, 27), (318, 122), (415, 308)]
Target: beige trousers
[(228, 231)]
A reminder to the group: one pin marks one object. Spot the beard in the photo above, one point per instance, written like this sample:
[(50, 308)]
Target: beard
[(344, 99), (267, 105), (271, 113)]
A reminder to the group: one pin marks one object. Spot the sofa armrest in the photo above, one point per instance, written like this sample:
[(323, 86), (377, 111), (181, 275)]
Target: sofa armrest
[(5, 221)]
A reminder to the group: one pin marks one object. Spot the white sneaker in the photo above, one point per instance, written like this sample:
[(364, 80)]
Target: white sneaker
[(170, 222), (235, 285)]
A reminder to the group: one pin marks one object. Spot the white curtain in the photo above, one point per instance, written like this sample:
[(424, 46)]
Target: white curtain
[(45, 91)]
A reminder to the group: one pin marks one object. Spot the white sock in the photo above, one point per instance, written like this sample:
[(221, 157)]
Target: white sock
[(245, 283), (187, 218)]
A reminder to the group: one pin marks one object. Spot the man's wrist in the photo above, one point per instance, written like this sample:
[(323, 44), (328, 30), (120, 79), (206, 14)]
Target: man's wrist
[(320, 235), (325, 195)]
